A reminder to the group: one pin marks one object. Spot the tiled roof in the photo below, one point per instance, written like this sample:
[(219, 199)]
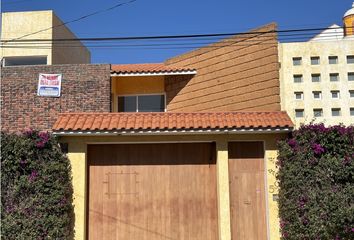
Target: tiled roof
[(168, 121), (147, 68)]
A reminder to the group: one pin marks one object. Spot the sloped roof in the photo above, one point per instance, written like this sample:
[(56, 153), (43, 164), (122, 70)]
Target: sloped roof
[(148, 68), (168, 121)]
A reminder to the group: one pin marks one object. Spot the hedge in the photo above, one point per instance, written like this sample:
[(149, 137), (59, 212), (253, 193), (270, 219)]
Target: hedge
[(36, 188), (316, 181)]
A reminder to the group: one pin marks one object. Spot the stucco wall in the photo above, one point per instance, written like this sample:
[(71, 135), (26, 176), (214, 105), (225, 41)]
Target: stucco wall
[(78, 158), (306, 50), (238, 73)]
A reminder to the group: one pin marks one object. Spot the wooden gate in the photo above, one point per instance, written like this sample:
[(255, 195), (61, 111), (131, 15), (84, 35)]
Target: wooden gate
[(247, 191), (152, 191)]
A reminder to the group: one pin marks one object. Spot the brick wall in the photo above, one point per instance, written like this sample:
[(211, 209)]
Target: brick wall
[(238, 73), (85, 88)]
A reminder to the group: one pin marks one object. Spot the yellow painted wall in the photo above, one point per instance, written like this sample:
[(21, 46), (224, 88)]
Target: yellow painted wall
[(349, 24), (136, 86), (77, 156), (18, 24)]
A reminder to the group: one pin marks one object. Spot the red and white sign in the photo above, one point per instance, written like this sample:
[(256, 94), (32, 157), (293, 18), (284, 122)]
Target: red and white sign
[(49, 85)]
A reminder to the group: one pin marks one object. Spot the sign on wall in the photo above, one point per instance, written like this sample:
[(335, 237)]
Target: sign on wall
[(49, 85)]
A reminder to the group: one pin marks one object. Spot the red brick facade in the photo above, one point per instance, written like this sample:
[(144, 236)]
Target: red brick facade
[(85, 88)]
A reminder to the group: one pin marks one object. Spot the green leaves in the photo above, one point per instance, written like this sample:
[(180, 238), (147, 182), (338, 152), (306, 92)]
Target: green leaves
[(36, 189), (316, 180)]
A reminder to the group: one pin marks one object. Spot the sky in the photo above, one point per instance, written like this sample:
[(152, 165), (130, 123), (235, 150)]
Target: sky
[(179, 17)]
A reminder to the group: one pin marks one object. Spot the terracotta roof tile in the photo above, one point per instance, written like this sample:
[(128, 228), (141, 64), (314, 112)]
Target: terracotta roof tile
[(170, 121), (146, 68)]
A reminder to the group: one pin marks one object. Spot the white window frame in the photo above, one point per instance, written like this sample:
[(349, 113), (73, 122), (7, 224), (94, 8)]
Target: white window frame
[(136, 95)]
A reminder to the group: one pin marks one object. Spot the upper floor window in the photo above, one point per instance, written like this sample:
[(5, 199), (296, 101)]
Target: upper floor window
[(317, 94), (351, 76), (299, 113), (332, 59), (335, 94), (351, 111), (141, 103), (25, 60), (351, 93), (316, 77), (336, 112), (297, 61), (299, 95), (318, 112), (350, 59), (334, 77), (315, 60), (297, 78)]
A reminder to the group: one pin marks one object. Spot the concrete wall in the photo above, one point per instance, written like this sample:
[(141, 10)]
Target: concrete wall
[(18, 24), (239, 73), (78, 157), (323, 49), (85, 88), (76, 53)]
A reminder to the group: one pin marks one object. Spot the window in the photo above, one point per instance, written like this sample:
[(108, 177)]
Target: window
[(22, 61), (350, 59), (299, 95), (316, 77), (351, 93), (299, 113), (351, 76), (335, 94), (351, 111), (335, 112), (317, 94), (315, 60), (333, 77), (297, 61), (318, 112), (297, 78), (332, 59), (141, 103)]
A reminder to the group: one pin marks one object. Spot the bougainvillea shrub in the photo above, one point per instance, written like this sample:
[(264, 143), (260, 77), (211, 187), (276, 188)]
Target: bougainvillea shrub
[(36, 188), (316, 180)]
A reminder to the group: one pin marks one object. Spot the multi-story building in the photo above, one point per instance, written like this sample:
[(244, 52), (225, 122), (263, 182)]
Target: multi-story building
[(43, 26), (317, 76)]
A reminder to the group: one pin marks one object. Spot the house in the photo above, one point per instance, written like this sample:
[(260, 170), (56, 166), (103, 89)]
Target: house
[(184, 149), (39, 25), (317, 76)]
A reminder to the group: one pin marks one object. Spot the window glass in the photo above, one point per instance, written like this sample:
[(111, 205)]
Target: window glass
[(315, 60), (316, 77), (335, 112), (318, 112), (297, 78), (127, 104), (350, 59), (151, 103), (333, 77), (351, 76), (317, 94), (22, 61), (299, 113), (351, 93), (299, 95), (297, 61), (335, 94), (332, 59), (351, 111)]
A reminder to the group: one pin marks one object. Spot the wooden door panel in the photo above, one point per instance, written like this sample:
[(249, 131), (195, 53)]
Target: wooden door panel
[(152, 191), (247, 190)]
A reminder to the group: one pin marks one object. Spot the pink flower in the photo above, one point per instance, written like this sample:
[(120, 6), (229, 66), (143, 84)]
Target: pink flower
[(33, 176), (317, 149)]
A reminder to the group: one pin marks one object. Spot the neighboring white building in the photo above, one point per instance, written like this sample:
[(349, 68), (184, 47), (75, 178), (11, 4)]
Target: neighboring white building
[(317, 77), (46, 26)]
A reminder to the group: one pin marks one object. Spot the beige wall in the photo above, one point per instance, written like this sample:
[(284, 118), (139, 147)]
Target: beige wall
[(78, 157), (18, 24), (323, 49)]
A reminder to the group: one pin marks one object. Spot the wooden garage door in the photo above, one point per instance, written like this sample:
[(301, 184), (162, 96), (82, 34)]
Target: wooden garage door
[(247, 193), (152, 191)]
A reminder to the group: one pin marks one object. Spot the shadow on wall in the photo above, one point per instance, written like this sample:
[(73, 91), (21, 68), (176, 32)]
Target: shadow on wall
[(174, 84)]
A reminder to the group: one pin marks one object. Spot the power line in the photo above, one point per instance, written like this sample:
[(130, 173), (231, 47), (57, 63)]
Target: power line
[(168, 36), (76, 19)]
